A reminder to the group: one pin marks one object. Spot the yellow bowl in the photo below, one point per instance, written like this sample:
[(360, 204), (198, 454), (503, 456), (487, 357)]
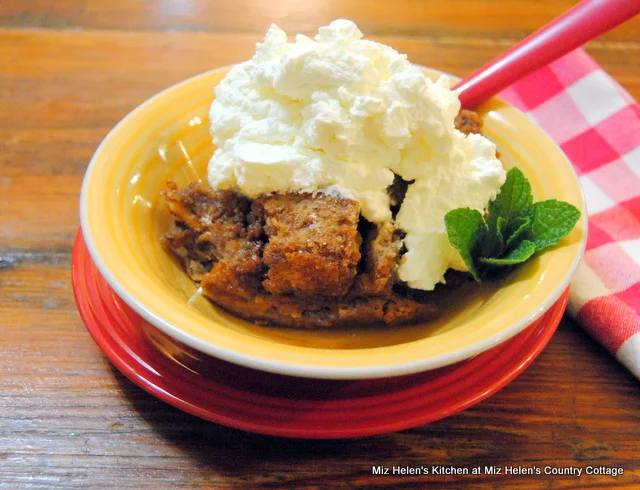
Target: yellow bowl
[(167, 138)]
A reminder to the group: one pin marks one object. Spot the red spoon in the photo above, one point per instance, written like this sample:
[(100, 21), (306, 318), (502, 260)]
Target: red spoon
[(577, 26)]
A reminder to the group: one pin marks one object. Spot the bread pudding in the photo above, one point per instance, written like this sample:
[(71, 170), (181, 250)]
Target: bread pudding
[(336, 162), (303, 260)]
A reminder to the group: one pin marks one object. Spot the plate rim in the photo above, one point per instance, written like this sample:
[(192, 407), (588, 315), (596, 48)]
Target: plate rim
[(539, 336)]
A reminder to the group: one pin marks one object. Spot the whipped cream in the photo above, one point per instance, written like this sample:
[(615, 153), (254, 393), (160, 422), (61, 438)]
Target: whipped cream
[(344, 114)]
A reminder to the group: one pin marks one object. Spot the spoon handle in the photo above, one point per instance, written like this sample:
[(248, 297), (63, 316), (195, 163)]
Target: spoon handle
[(585, 21)]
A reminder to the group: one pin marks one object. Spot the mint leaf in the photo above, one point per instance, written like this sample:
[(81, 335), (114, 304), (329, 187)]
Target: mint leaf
[(518, 255), (520, 226), (466, 229), (514, 201), (493, 244), (552, 221)]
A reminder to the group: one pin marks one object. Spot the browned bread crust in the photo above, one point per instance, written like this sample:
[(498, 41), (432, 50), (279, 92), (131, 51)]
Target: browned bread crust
[(313, 245)]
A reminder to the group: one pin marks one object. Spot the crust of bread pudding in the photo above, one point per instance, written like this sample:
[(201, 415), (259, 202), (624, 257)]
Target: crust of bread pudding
[(297, 259), (313, 244), (468, 122)]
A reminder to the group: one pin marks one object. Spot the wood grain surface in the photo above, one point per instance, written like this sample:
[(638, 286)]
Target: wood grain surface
[(69, 70)]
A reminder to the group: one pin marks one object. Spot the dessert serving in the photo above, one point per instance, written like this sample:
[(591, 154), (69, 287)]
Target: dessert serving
[(346, 188), (124, 216)]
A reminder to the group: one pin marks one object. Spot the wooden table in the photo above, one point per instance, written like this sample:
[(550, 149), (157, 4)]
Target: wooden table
[(70, 69)]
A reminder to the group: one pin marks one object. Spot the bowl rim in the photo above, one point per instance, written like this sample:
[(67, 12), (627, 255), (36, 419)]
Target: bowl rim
[(310, 370)]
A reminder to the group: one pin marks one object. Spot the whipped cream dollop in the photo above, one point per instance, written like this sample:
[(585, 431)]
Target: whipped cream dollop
[(342, 114)]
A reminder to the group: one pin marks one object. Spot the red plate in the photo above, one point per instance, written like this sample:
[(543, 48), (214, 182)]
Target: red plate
[(287, 406)]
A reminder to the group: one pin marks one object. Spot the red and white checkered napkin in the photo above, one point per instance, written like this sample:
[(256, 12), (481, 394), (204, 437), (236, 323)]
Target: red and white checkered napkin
[(597, 124)]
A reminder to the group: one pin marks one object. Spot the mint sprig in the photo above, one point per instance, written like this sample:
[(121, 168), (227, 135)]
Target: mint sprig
[(515, 229)]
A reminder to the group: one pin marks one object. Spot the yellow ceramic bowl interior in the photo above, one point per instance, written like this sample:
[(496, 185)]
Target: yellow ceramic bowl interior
[(167, 138)]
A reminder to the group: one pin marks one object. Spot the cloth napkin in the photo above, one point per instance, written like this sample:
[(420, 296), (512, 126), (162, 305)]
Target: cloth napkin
[(597, 124)]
